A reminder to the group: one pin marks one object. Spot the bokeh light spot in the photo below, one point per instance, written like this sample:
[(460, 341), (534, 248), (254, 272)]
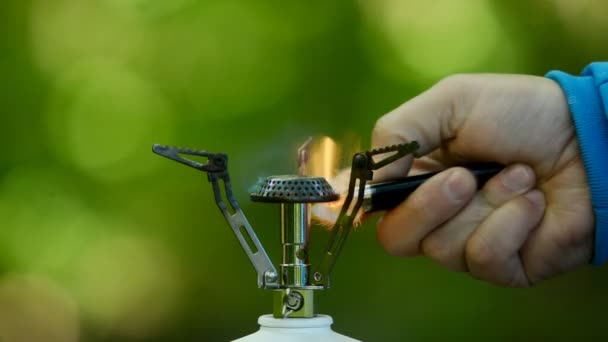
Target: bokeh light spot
[(150, 8), (584, 18), (228, 58), (46, 226), (129, 286), (104, 118), (65, 32), (434, 38), (33, 309)]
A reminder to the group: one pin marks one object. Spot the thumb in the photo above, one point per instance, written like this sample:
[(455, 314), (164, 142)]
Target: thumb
[(428, 119)]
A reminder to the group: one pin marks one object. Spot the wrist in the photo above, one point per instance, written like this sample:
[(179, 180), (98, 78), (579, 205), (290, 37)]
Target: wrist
[(584, 96)]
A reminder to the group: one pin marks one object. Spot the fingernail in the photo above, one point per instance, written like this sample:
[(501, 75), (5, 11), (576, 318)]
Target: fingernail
[(517, 178), (456, 187)]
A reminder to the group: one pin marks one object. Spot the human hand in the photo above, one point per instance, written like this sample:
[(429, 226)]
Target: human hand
[(530, 222)]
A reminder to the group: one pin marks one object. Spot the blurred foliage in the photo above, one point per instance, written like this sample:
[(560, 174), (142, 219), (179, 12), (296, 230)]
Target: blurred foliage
[(101, 240)]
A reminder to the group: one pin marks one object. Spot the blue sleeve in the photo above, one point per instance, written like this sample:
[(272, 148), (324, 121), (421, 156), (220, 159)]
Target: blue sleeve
[(587, 97)]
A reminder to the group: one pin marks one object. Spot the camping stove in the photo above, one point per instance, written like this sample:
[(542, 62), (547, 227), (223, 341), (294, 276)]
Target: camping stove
[(294, 194), (296, 280)]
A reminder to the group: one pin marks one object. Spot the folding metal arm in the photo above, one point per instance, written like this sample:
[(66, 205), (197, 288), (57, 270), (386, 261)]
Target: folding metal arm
[(217, 171), (362, 170)]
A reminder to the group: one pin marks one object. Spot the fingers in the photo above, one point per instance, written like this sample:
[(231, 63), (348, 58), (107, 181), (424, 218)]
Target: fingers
[(446, 244), (437, 200), (479, 232), (492, 252), (428, 118)]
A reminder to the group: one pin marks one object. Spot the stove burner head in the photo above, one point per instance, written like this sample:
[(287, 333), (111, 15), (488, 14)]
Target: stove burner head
[(294, 189)]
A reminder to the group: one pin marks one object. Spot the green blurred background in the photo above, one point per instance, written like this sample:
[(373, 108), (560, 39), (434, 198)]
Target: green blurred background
[(100, 240)]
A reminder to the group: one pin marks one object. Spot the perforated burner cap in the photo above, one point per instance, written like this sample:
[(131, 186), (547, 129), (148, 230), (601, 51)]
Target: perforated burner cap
[(294, 189)]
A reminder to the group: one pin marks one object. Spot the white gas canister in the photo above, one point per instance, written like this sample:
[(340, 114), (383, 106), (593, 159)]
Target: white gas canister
[(317, 328)]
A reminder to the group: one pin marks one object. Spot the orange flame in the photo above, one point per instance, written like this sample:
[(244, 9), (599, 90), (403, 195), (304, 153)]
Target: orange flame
[(324, 156), (326, 214), (324, 162)]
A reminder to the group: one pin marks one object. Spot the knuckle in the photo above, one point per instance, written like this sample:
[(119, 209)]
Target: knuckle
[(456, 90), (517, 278), (400, 251), (382, 125), (479, 254), (437, 249), (396, 247), (534, 270), (454, 81), (383, 128)]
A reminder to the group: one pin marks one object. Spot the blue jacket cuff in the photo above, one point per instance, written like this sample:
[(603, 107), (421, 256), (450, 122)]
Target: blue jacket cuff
[(587, 97)]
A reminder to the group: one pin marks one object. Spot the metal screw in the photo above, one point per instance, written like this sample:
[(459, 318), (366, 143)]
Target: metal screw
[(318, 276), (270, 276), (294, 301)]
